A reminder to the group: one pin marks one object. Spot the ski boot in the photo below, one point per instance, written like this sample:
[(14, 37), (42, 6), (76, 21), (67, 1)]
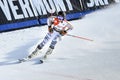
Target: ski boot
[(49, 51), (34, 53)]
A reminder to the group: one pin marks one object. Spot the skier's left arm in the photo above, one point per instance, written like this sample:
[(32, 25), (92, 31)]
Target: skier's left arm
[(67, 28)]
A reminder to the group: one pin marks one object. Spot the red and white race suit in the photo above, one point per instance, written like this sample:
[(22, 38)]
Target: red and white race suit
[(57, 26)]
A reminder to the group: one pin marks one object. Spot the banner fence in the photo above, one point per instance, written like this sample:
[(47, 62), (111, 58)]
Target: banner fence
[(18, 14)]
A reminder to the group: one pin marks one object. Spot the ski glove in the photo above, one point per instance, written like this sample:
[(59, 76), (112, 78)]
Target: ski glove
[(50, 29), (63, 32)]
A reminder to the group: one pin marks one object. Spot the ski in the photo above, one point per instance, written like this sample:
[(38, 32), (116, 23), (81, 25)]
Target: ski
[(49, 51), (41, 61), (22, 60)]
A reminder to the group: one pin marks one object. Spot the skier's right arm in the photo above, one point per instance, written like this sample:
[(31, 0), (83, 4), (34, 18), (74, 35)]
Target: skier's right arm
[(49, 23)]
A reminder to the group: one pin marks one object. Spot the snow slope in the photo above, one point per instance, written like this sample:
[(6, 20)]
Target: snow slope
[(72, 59)]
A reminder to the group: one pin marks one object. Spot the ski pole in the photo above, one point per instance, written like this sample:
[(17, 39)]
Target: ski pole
[(79, 37)]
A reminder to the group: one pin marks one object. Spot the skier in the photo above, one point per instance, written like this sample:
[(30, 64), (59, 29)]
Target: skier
[(58, 26)]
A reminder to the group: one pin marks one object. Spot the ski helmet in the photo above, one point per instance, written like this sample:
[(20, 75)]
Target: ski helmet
[(61, 13)]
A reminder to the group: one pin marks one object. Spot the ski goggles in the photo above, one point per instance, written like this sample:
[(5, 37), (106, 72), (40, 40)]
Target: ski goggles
[(60, 18)]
